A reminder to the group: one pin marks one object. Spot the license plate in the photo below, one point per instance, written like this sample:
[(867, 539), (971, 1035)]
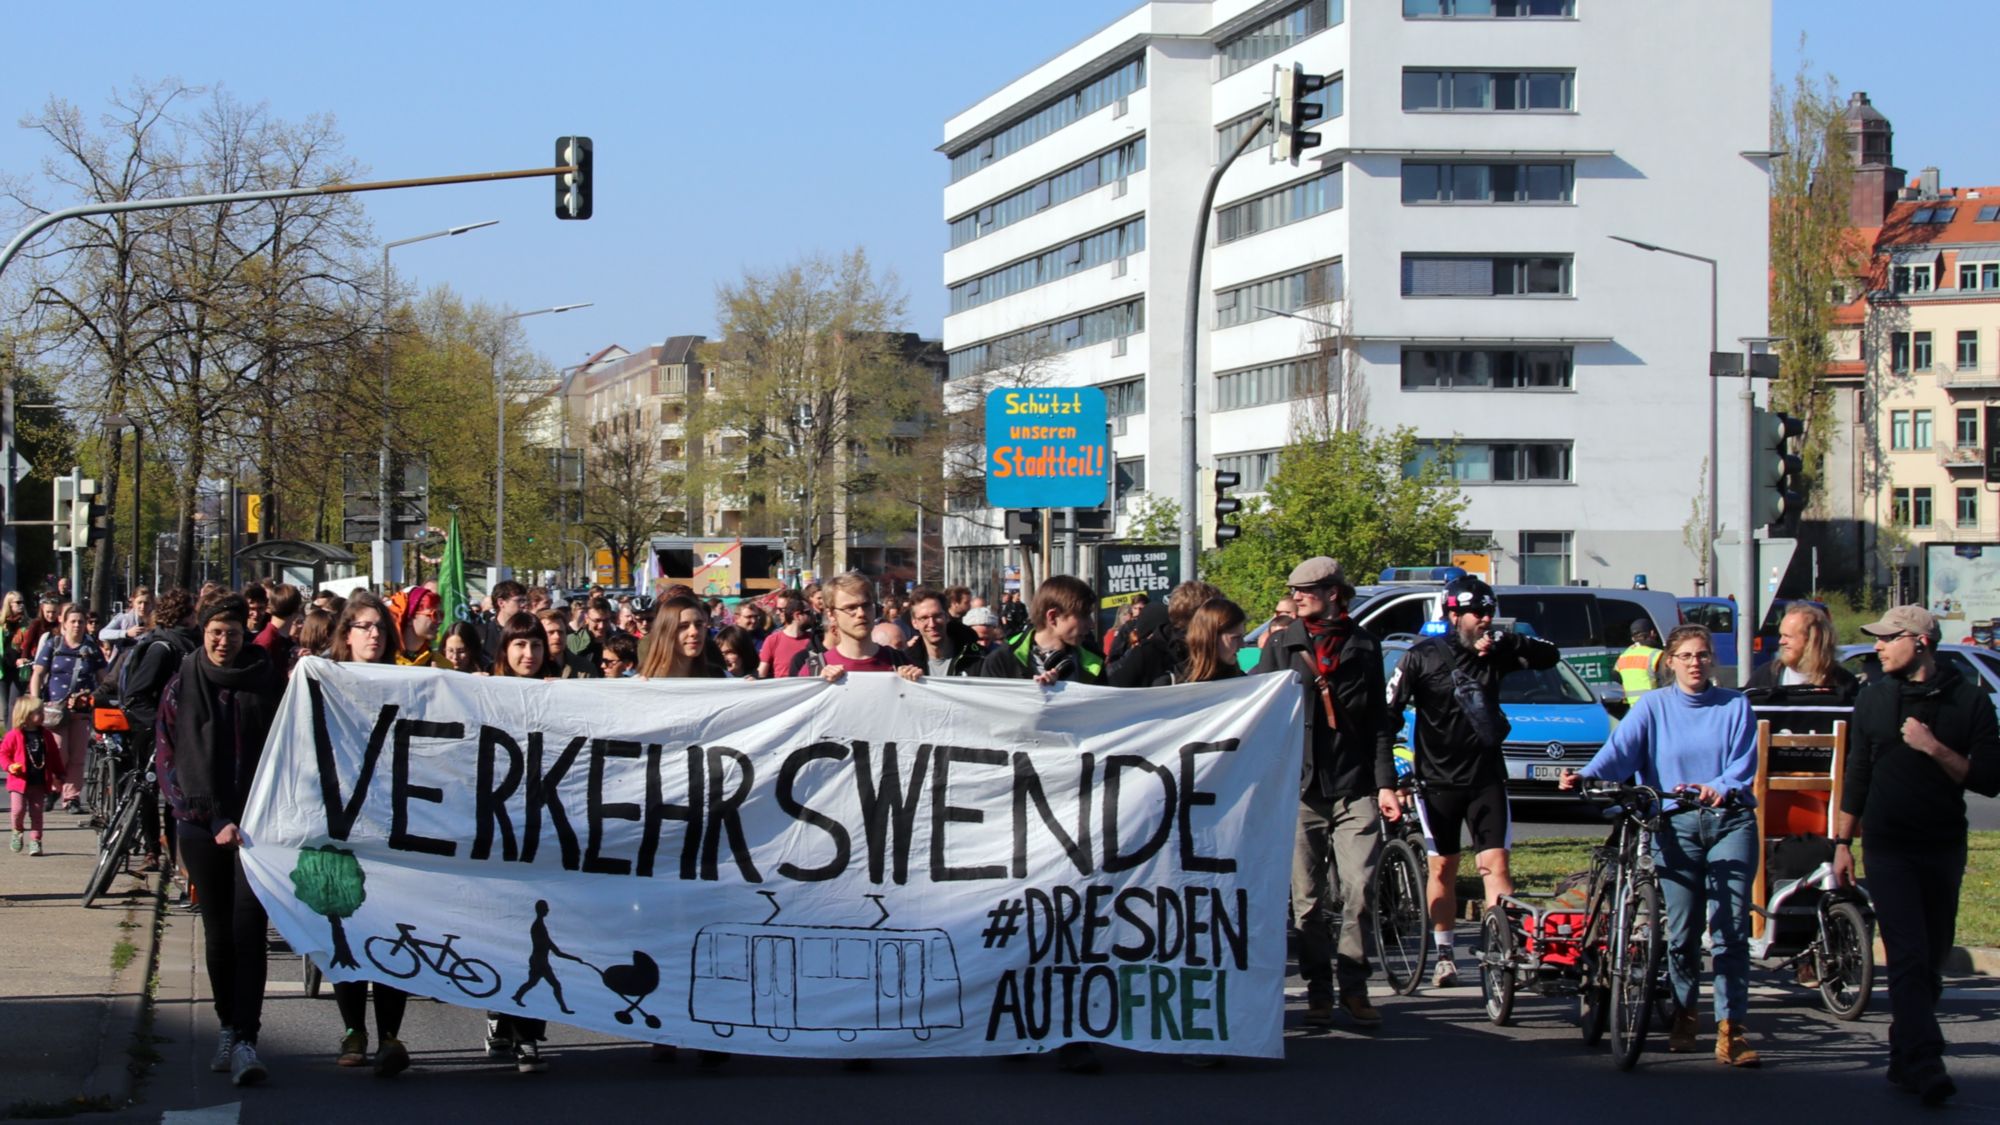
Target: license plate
[(1546, 773)]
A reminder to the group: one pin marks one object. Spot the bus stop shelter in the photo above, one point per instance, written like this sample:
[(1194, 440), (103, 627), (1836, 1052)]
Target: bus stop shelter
[(298, 561)]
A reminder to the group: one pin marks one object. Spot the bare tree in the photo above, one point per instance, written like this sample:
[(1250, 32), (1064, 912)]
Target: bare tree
[(627, 497)]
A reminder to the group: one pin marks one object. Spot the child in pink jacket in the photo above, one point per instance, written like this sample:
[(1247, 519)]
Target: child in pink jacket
[(31, 760)]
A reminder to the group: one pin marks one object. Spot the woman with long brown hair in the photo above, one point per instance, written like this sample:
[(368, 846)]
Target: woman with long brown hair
[(521, 653), (678, 643), (1214, 634)]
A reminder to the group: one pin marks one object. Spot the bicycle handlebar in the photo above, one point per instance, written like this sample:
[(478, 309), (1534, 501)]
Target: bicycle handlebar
[(1616, 793)]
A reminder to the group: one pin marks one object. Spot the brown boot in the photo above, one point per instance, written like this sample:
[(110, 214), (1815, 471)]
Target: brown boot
[(1732, 1048), (1681, 1038), (1358, 1009)]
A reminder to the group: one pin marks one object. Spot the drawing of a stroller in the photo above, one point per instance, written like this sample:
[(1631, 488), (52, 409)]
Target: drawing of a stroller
[(632, 983)]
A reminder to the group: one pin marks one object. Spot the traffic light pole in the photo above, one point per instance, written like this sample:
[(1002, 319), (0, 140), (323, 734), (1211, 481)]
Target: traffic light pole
[(1190, 472), (1748, 616)]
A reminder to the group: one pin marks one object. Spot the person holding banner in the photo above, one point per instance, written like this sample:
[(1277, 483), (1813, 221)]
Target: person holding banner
[(213, 718), (944, 646), (851, 643), (1051, 647), (1347, 787), (364, 633)]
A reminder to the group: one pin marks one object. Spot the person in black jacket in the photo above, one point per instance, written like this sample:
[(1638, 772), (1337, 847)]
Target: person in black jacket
[(1348, 778), (1454, 682), (944, 646), (1807, 668), (154, 660), (1051, 647), (1922, 736), (1156, 642)]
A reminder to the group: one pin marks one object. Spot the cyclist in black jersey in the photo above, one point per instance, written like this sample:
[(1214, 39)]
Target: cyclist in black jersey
[(1454, 682)]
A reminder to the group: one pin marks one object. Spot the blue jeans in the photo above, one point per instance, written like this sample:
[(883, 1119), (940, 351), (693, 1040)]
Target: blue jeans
[(1707, 861)]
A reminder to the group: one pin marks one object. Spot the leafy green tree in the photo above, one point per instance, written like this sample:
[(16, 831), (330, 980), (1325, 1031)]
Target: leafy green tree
[(329, 880), (1369, 499)]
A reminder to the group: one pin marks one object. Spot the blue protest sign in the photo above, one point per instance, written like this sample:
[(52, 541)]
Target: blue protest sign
[(1046, 448)]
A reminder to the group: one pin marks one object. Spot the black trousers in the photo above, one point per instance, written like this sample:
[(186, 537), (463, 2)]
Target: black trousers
[(351, 997), (1916, 909), (232, 929)]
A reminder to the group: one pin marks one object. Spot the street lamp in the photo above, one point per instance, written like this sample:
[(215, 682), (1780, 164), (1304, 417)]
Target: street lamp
[(1898, 554), (116, 422), (385, 525), (1709, 554), (500, 416)]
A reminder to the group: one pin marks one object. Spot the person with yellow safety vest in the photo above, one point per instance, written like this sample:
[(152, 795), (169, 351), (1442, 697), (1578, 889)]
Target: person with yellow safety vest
[(1639, 663)]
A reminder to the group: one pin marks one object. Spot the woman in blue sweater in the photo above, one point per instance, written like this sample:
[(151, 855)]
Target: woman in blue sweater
[(1702, 737)]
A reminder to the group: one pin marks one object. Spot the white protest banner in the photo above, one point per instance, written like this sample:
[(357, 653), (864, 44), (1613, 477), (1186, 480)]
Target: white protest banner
[(871, 868)]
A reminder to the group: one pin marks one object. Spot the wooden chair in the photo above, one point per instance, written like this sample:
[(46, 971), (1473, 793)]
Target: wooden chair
[(1794, 790)]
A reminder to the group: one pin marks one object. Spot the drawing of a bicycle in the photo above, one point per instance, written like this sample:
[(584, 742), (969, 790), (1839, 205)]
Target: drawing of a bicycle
[(407, 953)]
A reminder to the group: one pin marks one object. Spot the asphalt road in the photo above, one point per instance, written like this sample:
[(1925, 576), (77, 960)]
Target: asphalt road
[(1436, 1055)]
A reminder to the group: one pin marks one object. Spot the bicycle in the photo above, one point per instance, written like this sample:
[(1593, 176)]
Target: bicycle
[(104, 758), (120, 833), (472, 976), (1402, 909)]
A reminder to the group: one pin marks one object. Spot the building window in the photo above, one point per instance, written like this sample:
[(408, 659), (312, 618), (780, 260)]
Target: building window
[(1911, 278), (1967, 436), (1277, 33), (1499, 462), (1487, 369), (1327, 97), (1487, 9), (1255, 469), (1988, 214), (1282, 207), (1078, 179), (1466, 275), (1269, 383), (1125, 398), (1899, 429), (1488, 91), (1920, 351), (1085, 253), (1899, 351), (1432, 183), (1131, 480), (1968, 507), (1065, 109), (1968, 350), (1068, 334), (1935, 215), (1920, 429), (1545, 558), (1314, 285), (1911, 507)]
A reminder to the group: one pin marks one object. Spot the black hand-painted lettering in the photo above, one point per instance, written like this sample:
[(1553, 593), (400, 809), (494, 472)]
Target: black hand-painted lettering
[(1114, 766), (788, 778), (724, 815), (886, 803), (543, 794), (340, 815), (401, 792), (593, 857), (943, 812), (1028, 788), (658, 811), (1191, 797), (490, 800)]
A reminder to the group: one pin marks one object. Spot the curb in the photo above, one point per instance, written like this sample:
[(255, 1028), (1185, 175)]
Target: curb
[(115, 1075)]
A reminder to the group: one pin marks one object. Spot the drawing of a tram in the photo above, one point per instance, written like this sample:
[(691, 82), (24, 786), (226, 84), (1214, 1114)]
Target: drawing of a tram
[(844, 979)]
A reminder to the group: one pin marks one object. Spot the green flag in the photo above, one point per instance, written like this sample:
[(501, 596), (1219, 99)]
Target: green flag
[(451, 579)]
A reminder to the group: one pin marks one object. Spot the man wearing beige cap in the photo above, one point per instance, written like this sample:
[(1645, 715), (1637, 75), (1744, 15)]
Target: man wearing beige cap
[(1348, 784), (1922, 736)]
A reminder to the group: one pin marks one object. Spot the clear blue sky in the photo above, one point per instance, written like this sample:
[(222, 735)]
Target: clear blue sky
[(728, 136)]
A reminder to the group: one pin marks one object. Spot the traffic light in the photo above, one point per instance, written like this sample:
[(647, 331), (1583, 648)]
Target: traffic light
[(573, 187), (1024, 526), (1295, 112), (63, 513), (1778, 466), (83, 513), (1226, 506), (99, 527)]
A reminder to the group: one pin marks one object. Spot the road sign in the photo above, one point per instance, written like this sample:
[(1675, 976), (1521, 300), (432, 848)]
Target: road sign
[(1047, 448), (21, 468)]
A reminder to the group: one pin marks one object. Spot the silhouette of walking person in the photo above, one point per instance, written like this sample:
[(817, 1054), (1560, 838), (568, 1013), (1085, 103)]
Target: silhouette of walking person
[(539, 967)]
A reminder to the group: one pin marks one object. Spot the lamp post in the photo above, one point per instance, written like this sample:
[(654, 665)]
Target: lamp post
[(1710, 558), (116, 422), (385, 528), (500, 417), (1897, 554)]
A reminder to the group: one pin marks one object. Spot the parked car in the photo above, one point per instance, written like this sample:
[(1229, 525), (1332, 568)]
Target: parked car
[(1978, 664), (1558, 722)]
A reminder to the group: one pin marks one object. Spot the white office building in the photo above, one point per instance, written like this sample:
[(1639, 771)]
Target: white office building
[(1453, 228)]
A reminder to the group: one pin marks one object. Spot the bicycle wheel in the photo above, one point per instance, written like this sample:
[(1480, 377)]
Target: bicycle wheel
[(1847, 964), (1402, 921), (111, 850), (1636, 949), (475, 978), (402, 962), (1496, 966)]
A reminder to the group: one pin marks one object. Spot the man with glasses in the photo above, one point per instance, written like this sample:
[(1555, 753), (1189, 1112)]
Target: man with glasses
[(1454, 682), (944, 645), (1347, 786), (1922, 736), (583, 650), (851, 598), (620, 658)]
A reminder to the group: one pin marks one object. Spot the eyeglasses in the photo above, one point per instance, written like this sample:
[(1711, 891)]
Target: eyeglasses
[(861, 607), (1894, 637), (609, 661), (1696, 657), (1318, 591), (368, 626)]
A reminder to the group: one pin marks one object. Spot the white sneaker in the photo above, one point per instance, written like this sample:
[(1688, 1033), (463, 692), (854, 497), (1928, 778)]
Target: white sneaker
[(1445, 976), (224, 1044), (528, 1058), (499, 1044), (245, 1069)]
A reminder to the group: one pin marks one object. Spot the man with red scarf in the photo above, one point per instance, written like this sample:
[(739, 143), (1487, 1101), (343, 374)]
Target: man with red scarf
[(1349, 778)]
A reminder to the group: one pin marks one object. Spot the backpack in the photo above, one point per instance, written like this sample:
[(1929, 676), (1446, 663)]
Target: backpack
[(136, 658)]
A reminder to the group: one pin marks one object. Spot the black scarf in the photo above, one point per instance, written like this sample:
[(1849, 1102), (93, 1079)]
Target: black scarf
[(211, 774)]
